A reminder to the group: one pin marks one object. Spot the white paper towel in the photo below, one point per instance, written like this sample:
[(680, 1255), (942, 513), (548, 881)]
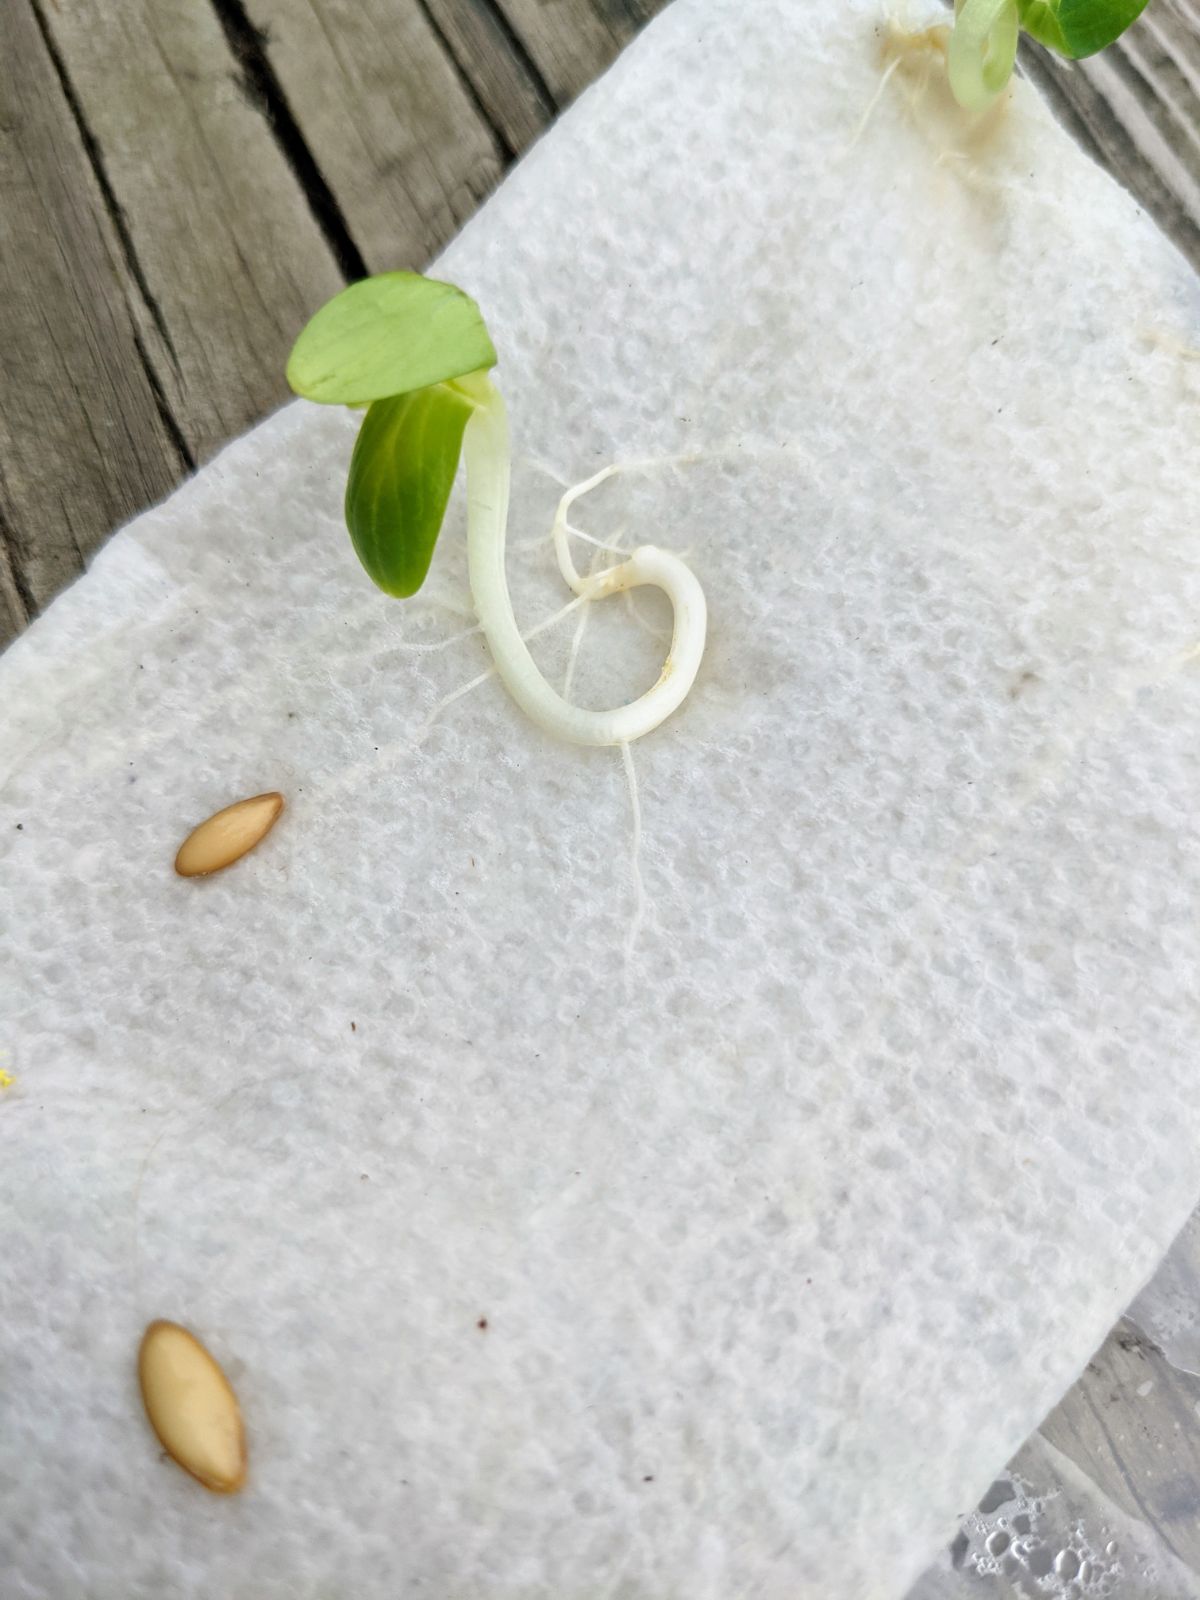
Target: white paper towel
[(788, 1230)]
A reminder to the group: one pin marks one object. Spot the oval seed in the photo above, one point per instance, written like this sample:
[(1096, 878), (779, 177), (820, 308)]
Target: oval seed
[(227, 836), (191, 1407)]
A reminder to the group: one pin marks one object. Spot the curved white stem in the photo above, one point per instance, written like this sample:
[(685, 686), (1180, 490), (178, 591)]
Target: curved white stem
[(486, 448)]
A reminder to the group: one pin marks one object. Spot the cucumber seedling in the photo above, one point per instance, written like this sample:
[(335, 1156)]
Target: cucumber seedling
[(983, 45), (416, 353)]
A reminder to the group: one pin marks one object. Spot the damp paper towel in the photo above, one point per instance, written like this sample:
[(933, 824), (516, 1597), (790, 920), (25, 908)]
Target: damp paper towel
[(558, 1253)]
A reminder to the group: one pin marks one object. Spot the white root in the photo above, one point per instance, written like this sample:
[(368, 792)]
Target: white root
[(577, 636), (884, 78), (639, 886), (573, 657), (490, 672), (448, 700), (486, 448)]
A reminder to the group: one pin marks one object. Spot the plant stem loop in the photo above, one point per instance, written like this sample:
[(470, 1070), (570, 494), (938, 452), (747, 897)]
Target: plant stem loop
[(486, 450)]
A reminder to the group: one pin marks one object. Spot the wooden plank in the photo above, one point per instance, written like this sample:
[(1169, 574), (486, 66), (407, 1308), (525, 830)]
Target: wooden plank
[(503, 78), (572, 41), (397, 132), (230, 252), (1137, 108), (1168, 1308), (1131, 1423), (83, 443)]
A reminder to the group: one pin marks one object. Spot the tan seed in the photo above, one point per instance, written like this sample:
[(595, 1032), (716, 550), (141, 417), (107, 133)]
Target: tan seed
[(191, 1407), (228, 835)]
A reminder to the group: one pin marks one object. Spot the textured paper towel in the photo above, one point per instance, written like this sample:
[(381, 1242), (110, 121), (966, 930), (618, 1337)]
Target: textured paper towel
[(785, 1240)]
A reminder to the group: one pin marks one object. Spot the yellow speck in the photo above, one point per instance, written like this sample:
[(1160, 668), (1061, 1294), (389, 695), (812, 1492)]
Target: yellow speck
[(6, 1079)]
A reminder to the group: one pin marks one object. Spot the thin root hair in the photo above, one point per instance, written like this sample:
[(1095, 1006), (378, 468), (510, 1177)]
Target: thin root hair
[(409, 647), (884, 78), (580, 630), (448, 700), (490, 672), (600, 544), (576, 646), (546, 471)]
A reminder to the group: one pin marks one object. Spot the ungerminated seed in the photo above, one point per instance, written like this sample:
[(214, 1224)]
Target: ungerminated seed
[(191, 1407), (227, 836)]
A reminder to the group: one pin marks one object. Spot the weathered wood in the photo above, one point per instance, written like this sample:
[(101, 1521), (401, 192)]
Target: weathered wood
[(227, 246), (82, 442), (1131, 1424), (572, 41), (495, 62), (398, 134), (1137, 108)]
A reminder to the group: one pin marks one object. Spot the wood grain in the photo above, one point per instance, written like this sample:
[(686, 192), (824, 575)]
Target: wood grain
[(1136, 107), (572, 41), (1130, 1423), (83, 444), (398, 134), (495, 61), (228, 249)]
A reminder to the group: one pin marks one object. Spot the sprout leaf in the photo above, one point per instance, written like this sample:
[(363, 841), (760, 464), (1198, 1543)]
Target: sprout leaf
[(1078, 28), (400, 479), (388, 335)]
